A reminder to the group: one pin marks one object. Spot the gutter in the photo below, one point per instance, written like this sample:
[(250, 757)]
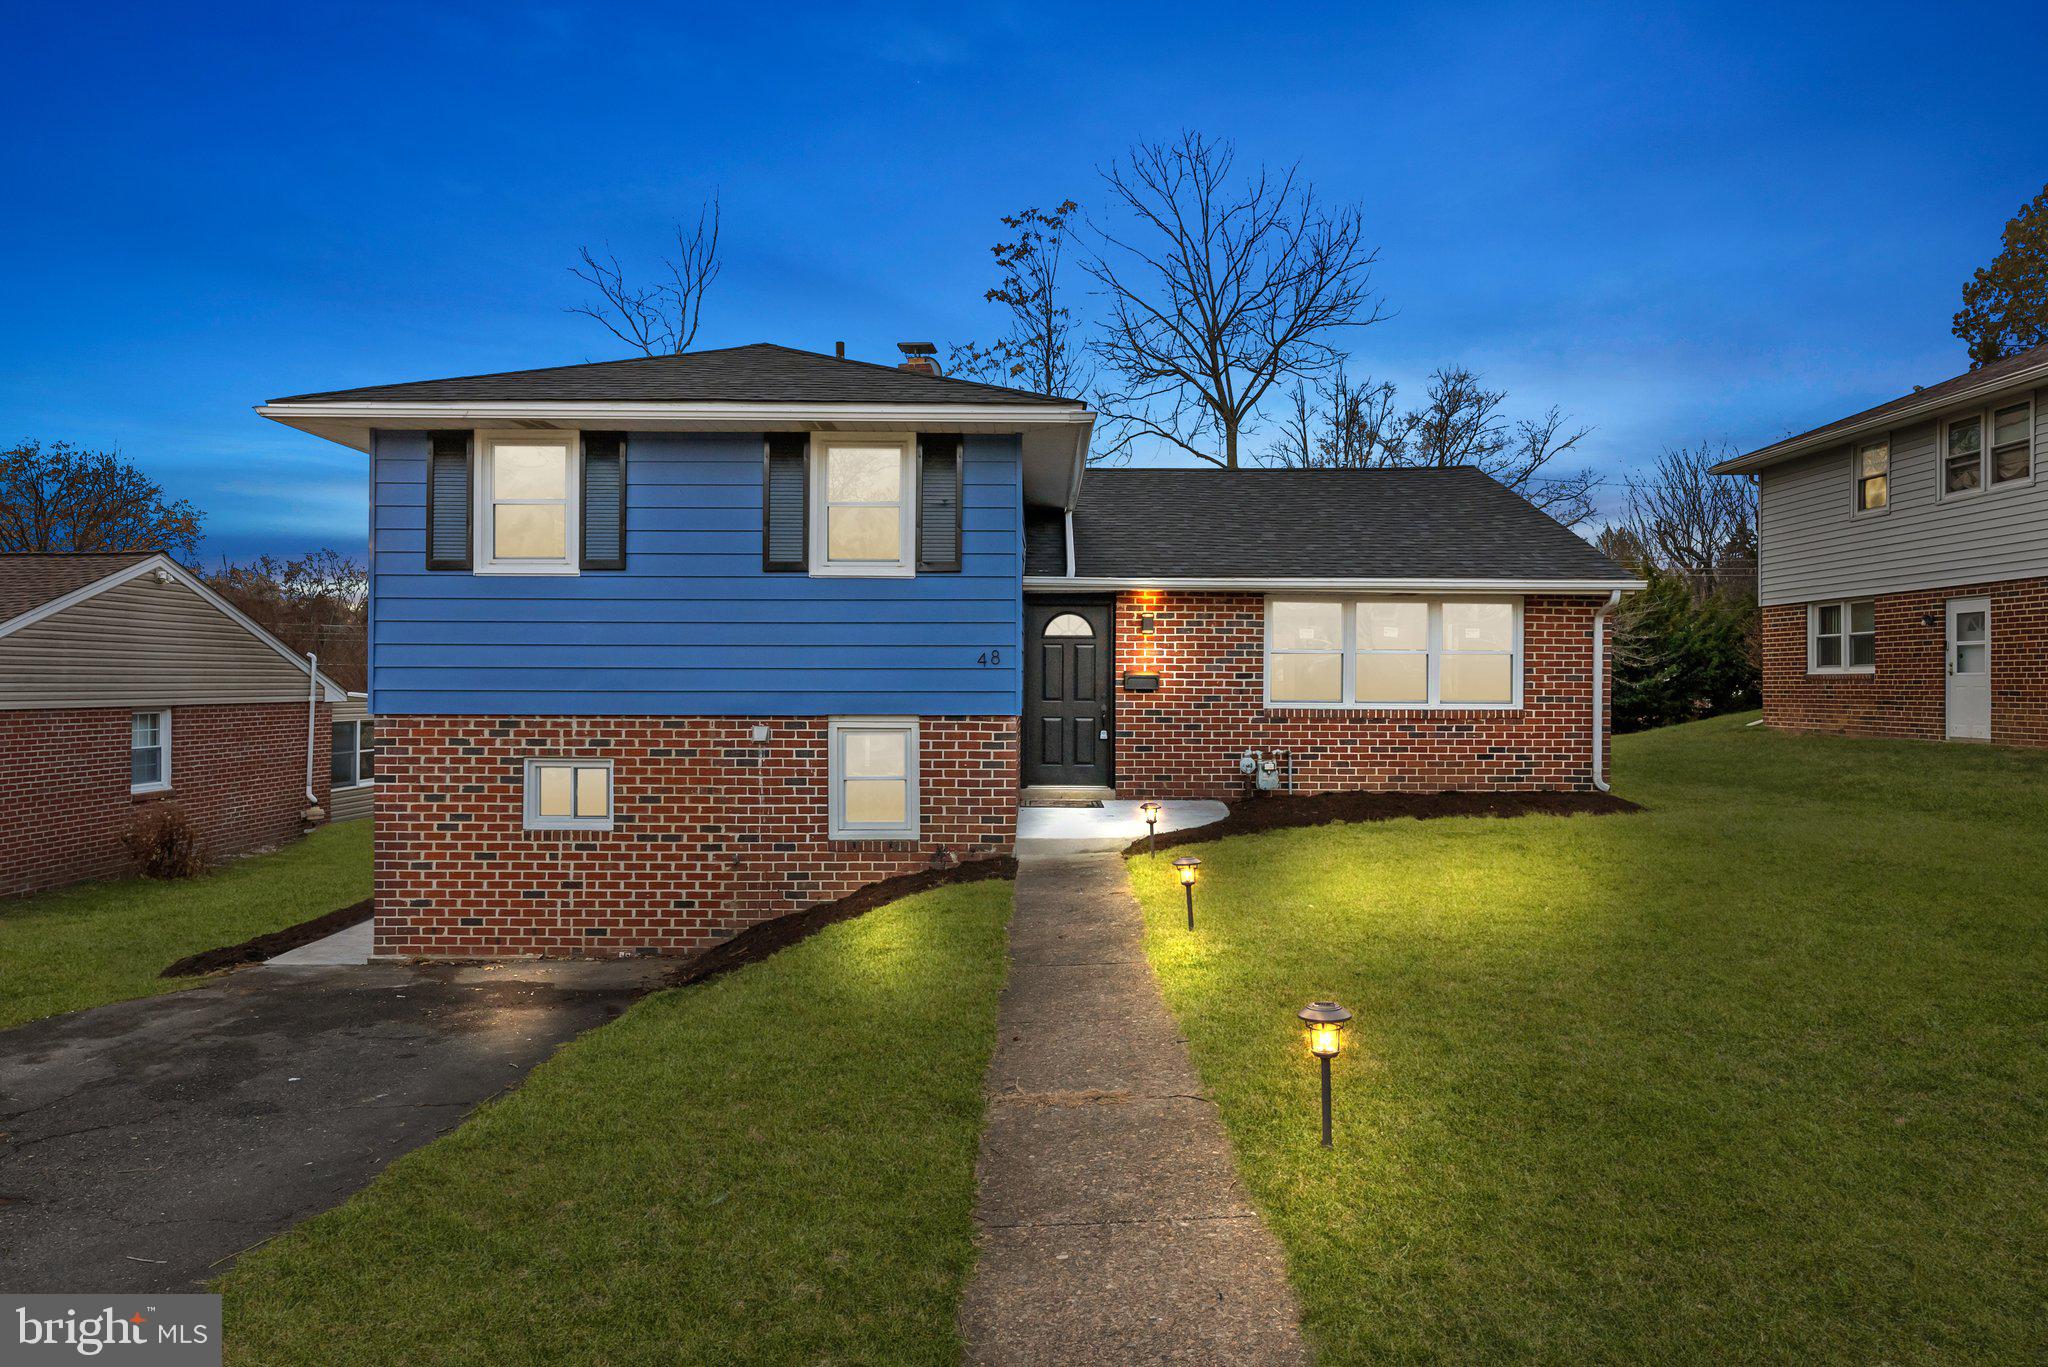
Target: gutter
[(1600, 617), (312, 721), (1055, 583)]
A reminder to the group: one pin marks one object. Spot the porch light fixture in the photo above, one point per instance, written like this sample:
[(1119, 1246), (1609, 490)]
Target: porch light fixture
[(1146, 621), (1150, 811), (1322, 1026), (1188, 864)]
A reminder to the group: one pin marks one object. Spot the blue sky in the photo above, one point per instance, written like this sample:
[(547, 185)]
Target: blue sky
[(1716, 226)]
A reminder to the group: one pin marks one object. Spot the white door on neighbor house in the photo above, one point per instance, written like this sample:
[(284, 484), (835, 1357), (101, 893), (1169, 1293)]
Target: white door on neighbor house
[(1969, 669)]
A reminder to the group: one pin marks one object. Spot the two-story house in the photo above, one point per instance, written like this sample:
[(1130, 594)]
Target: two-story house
[(663, 647), (1904, 563)]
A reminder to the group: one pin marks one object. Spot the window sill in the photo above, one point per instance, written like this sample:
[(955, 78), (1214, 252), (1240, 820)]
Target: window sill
[(890, 838), (530, 571), (1853, 672), (149, 789), (1364, 709), (862, 572)]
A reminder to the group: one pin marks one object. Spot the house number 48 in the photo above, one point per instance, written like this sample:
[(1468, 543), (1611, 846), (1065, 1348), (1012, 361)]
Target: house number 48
[(988, 658)]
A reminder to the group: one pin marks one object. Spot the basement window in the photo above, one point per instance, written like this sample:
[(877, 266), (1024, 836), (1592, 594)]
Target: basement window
[(1841, 638), (873, 774), (568, 795)]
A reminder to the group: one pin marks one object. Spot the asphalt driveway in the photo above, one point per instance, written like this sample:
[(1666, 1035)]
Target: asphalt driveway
[(143, 1145)]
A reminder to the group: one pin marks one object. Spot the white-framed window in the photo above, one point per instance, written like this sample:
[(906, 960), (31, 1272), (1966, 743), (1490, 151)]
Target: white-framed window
[(1394, 652), (873, 775), (1872, 462), (1988, 449), (863, 504), (1841, 638), (526, 502), (149, 751), (568, 795), (352, 766)]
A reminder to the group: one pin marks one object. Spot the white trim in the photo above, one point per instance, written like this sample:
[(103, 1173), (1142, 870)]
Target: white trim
[(1847, 605), (163, 744), (530, 803), (1856, 476), (1985, 484), (1892, 419), (836, 825), (483, 550), (822, 566), (1479, 587), (1433, 654), (334, 691)]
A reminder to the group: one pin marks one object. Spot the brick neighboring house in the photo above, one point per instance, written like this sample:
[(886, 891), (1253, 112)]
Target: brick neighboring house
[(663, 647), (1903, 567), (123, 681)]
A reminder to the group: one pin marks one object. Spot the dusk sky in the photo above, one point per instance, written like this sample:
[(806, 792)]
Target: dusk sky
[(1717, 227)]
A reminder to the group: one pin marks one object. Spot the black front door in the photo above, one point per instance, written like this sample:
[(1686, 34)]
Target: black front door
[(1066, 692)]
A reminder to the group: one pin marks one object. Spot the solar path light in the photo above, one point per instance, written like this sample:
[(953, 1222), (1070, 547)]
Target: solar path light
[(1323, 1025)]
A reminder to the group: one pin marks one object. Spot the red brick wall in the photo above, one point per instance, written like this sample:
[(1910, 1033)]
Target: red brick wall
[(239, 770), (1907, 695), (1209, 650), (711, 832)]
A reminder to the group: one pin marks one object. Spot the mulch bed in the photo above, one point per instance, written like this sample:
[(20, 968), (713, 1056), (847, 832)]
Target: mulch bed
[(757, 942), (1278, 811), (269, 946)]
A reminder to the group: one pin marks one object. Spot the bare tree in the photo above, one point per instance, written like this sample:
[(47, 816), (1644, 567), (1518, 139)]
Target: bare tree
[(658, 319), (63, 499), (1217, 289), (1041, 350), (1357, 426), (1693, 523), (313, 603)]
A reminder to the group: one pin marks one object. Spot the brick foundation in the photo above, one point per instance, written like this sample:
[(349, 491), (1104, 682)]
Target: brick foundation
[(1906, 695), (1209, 649), (711, 832), (239, 770)]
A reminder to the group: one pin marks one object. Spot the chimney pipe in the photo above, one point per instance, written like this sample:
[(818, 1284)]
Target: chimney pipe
[(920, 357), (839, 350)]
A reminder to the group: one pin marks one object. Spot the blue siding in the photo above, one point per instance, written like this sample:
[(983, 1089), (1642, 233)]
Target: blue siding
[(692, 626)]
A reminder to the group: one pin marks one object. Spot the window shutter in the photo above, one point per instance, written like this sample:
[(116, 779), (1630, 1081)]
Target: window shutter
[(448, 508), (938, 503), (785, 508), (604, 501)]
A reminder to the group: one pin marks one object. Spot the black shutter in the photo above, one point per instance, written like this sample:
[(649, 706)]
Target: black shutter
[(448, 538), (604, 501), (938, 504), (785, 506)]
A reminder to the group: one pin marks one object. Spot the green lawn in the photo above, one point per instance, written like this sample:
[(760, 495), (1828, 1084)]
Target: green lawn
[(106, 942), (775, 1166), (1759, 1074)]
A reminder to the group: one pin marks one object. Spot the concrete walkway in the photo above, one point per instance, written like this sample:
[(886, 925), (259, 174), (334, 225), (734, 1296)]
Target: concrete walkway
[(1112, 1222), (349, 946)]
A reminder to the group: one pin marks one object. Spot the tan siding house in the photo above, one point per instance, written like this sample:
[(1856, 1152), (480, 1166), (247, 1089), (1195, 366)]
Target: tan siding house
[(125, 682), (351, 772)]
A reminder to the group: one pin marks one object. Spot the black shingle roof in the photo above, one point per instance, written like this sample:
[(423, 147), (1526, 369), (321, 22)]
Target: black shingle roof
[(29, 579), (1453, 523), (760, 372)]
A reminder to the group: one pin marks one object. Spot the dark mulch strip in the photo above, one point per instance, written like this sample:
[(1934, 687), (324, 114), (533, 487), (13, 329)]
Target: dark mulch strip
[(1278, 811), (268, 946), (757, 942)]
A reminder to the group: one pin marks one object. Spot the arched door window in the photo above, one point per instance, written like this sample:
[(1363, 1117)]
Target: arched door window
[(1069, 624)]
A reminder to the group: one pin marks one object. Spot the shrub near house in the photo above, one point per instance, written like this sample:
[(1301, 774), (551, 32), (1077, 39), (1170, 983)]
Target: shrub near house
[(667, 646)]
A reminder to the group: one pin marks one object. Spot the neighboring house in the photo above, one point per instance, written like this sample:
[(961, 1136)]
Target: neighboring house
[(662, 647), (351, 745), (124, 680), (1904, 564)]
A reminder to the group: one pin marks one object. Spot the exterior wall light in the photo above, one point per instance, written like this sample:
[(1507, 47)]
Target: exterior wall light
[(1146, 621), (1150, 811), (1323, 1025), (1188, 865)]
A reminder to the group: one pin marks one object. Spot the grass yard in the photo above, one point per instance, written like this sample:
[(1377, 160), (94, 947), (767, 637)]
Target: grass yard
[(774, 1166), (1759, 1074), (106, 942)]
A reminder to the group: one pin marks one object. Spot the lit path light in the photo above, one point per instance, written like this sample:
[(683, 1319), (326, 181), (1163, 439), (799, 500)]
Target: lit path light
[(1150, 810), (1188, 864), (1323, 1024)]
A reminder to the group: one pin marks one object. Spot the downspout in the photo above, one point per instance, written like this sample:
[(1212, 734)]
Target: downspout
[(1070, 542), (1600, 617), (312, 720)]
